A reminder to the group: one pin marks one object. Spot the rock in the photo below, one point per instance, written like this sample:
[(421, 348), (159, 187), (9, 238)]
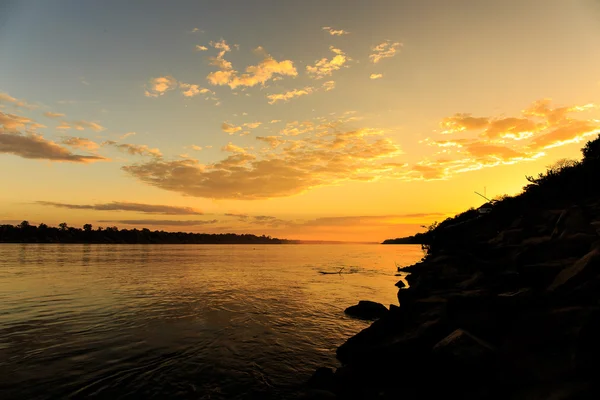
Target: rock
[(586, 267), (323, 378), (366, 309), (462, 349), (318, 394), (400, 284), (572, 221)]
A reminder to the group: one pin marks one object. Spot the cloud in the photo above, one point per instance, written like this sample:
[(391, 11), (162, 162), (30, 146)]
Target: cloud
[(197, 148), (6, 98), (127, 206), (252, 125), (189, 90), (34, 146), (81, 125), (230, 128), (376, 76), (325, 67), (274, 121), (254, 74), (354, 155), (334, 32), (273, 141), (196, 30), (128, 134), (329, 85), (80, 143), (159, 86), (463, 122), (161, 222), (12, 122), (135, 149), (232, 148), (201, 48), (383, 50), (50, 114), (274, 98)]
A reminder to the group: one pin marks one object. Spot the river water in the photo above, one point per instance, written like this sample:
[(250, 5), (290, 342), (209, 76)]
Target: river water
[(181, 321)]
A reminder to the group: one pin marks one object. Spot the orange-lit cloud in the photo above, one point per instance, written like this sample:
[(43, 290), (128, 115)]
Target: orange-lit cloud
[(134, 149), (8, 99), (273, 141), (267, 69), (325, 67), (12, 122), (80, 126), (190, 90), (232, 148), (383, 50), (329, 85), (159, 86), (201, 48), (127, 206), (273, 98), (34, 146), (376, 76), (50, 114), (80, 143), (335, 32), (356, 155), (160, 222), (230, 128)]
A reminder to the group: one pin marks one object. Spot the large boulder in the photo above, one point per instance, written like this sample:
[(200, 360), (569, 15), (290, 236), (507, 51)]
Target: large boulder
[(585, 268), (366, 309), (571, 221)]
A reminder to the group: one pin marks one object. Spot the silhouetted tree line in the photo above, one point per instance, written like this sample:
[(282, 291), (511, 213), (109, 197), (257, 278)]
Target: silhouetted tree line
[(27, 233), (565, 183)]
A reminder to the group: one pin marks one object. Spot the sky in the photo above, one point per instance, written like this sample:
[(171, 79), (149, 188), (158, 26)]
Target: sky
[(311, 120)]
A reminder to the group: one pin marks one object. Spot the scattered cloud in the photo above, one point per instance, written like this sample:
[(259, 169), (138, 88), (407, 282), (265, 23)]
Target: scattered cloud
[(274, 98), (197, 148), (201, 48), (355, 155), (325, 67), (232, 148), (274, 121), (80, 143), (127, 206), (189, 90), (273, 141), (376, 76), (50, 114), (383, 50), (161, 222), (335, 32), (252, 125), (8, 99), (196, 30), (159, 86), (34, 146), (135, 149), (230, 128), (329, 85), (12, 123), (126, 135), (267, 69)]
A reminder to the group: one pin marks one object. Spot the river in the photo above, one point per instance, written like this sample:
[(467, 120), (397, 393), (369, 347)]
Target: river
[(181, 321)]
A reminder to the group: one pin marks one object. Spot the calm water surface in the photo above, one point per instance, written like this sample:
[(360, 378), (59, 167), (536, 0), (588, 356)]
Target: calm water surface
[(180, 321)]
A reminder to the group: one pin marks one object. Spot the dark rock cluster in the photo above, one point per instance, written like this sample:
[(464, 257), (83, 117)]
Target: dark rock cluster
[(511, 313)]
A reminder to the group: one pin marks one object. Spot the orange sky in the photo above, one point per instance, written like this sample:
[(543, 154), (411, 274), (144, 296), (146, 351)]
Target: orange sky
[(305, 120)]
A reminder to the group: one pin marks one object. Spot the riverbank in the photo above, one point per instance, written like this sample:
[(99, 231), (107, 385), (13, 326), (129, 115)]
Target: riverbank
[(504, 306)]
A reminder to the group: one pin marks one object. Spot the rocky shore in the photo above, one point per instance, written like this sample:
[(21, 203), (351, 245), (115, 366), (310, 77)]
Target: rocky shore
[(504, 306)]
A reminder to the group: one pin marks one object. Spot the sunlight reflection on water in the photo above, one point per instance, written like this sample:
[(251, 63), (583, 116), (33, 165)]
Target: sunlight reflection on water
[(188, 321)]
